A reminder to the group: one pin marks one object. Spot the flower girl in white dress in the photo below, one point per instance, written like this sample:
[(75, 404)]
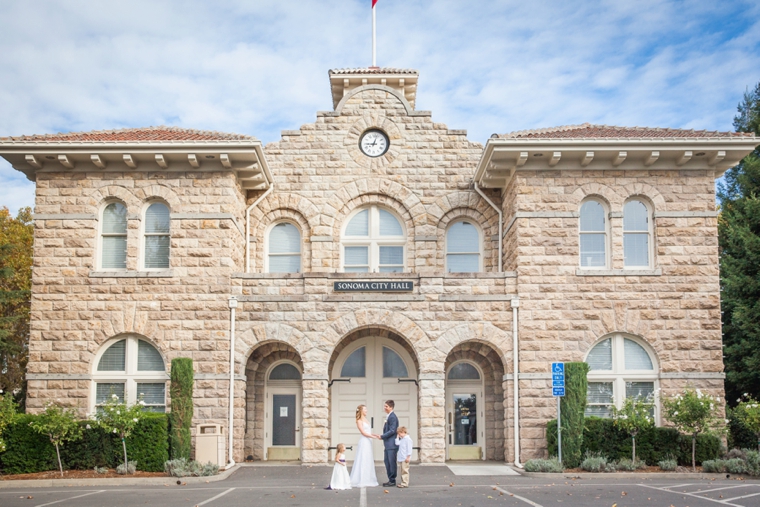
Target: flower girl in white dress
[(340, 478)]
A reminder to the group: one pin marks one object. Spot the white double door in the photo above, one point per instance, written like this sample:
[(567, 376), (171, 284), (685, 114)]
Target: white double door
[(368, 372)]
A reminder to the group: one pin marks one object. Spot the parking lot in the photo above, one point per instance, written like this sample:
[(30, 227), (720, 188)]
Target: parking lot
[(431, 486)]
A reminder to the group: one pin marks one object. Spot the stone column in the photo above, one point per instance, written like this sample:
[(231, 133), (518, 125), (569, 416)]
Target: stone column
[(432, 399), (315, 430)]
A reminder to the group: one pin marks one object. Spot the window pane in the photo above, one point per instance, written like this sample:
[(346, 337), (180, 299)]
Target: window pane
[(393, 365), (113, 358), (593, 250), (284, 238), (103, 391), (389, 226), (156, 252), (600, 357), (464, 371), (359, 225), (148, 358), (592, 217), (356, 269), (598, 411), (635, 217), (636, 358), (115, 219), (356, 256), (157, 219), (459, 263), (152, 393), (391, 255), (285, 371), (599, 392), (391, 269), (465, 419), (114, 252), (355, 365), (636, 249), (284, 263), (462, 237), (640, 390)]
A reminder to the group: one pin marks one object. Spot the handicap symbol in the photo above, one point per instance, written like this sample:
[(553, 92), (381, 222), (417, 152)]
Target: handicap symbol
[(558, 368)]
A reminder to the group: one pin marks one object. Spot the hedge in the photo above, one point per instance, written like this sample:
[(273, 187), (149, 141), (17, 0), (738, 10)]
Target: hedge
[(30, 452), (652, 445), (181, 415), (739, 436), (573, 406)]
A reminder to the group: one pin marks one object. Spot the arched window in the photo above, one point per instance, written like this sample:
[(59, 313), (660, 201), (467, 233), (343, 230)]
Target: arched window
[(285, 371), (373, 241), (284, 244), (113, 237), (593, 235), (636, 234), (621, 367), (356, 364), (463, 371), (462, 248), (132, 369), (157, 223)]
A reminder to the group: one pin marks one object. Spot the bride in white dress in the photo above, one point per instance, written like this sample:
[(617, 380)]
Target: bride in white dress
[(363, 469)]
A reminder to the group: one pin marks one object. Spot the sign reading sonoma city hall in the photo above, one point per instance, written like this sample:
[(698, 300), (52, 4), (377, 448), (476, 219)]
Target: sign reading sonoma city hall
[(373, 286)]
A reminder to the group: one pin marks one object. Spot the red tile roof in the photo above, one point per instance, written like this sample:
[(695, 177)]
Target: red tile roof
[(373, 70), (589, 131), (146, 134)]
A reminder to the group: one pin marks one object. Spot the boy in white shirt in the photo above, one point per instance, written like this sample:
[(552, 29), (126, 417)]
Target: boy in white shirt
[(404, 456)]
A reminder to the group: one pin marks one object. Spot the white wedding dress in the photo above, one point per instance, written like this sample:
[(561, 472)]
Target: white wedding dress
[(363, 471)]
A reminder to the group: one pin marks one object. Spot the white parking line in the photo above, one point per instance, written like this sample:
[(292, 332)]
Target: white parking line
[(666, 490), (214, 497), (738, 497), (726, 487), (530, 502), (363, 498), (72, 498)]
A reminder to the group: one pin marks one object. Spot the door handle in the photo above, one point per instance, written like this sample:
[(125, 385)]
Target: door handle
[(372, 422), (298, 429)]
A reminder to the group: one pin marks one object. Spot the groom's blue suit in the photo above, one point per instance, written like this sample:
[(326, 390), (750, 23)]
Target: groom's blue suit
[(391, 449)]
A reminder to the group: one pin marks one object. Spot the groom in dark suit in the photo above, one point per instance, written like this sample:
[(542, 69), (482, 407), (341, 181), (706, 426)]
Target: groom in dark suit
[(389, 442)]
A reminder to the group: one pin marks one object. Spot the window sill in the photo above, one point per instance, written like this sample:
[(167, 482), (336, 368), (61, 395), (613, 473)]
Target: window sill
[(618, 272), (132, 274)]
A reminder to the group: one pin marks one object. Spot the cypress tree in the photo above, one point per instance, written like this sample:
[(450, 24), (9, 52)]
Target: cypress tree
[(739, 239), (181, 415), (573, 407)]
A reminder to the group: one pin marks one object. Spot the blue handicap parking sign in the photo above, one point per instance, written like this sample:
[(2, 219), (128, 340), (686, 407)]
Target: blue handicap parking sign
[(558, 368), (558, 391)]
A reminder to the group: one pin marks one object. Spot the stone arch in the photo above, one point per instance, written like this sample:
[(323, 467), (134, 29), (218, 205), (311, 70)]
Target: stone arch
[(249, 339), (297, 203), (430, 360), (483, 332), (488, 225), (161, 192), (621, 319), (260, 227), (649, 345), (127, 321), (405, 103), (644, 190), (603, 192), (374, 119), (378, 186), (99, 196)]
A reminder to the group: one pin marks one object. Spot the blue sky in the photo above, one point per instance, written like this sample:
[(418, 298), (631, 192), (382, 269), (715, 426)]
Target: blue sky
[(260, 66)]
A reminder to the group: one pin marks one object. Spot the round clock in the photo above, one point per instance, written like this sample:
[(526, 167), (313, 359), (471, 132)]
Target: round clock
[(374, 143)]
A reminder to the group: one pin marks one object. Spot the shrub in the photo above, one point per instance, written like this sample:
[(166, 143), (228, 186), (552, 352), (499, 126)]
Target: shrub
[(149, 442), (573, 407), (595, 462), (752, 462), (60, 425), (633, 418), (716, 466), (100, 470), (692, 413), (120, 419), (748, 413), (668, 465), (736, 466), (181, 415), (27, 451), (629, 465), (739, 436), (182, 467), (551, 465), (7, 414), (126, 468)]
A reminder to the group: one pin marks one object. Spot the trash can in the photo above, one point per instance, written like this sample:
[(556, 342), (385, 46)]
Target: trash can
[(209, 444)]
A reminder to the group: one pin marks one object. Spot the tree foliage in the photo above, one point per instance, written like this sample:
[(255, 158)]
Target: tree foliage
[(739, 238), (573, 407), (181, 414), (693, 413), (748, 412), (16, 235), (120, 419), (633, 418), (7, 413), (60, 425)]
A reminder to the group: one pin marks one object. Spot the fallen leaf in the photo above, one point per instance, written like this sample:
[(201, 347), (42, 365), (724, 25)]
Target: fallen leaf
[(489, 496), (29, 497), (615, 505), (385, 491), (451, 485), (292, 496), (623, 493)]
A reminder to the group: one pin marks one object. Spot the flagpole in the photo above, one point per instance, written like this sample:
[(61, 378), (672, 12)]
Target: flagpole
[(374, 39)]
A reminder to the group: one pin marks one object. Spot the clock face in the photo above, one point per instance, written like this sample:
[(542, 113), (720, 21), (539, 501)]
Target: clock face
[(374, 143)]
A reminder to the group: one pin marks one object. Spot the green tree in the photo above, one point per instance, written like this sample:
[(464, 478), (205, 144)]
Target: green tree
[(748, 412), (739, 239), (7, 413), (692, 412), (181, 414), (573, 407), (119, 418), (634, 417), (60, 425), (16, 235)]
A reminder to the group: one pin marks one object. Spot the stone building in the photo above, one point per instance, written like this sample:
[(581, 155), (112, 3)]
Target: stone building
[(374, 254)]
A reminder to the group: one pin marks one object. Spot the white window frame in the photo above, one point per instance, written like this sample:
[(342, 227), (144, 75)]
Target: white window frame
[(480, 244), (374, 241), (101, 219), (619, 376), (648, 232), (606, 232), (130, 377), (143, 234), (268, 231)]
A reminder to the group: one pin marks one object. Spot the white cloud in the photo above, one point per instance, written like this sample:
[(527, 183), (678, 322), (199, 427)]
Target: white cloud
[(260, 67)]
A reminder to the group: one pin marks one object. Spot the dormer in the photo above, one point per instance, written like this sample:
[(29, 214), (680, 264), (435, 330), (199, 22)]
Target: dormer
[(343, 81)]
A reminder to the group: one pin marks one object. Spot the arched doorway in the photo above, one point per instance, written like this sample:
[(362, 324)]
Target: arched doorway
[(475, 424), (273, 403), (371, 367)]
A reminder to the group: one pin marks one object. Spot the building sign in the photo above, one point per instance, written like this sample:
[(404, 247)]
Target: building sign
[(373, 286)]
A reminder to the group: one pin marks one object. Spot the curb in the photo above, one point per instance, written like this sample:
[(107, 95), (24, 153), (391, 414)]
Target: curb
[(636, 475), (111, 481)]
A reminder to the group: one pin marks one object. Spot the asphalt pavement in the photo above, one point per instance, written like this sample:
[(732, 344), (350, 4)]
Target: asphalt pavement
[(434, 486)]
